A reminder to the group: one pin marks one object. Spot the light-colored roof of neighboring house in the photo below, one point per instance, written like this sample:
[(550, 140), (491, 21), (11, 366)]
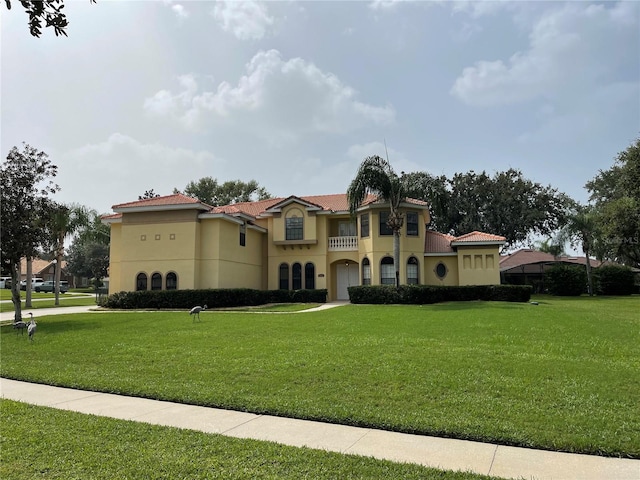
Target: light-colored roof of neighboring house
[(527, 256), (435, 242)]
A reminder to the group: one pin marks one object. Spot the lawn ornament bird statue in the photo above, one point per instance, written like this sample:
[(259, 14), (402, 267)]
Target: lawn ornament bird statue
[(195, 311)]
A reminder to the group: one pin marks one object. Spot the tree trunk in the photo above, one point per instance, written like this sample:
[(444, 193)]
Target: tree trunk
[(396, 255), (15, 290), (589, 276), (57, 269), (27, 296)]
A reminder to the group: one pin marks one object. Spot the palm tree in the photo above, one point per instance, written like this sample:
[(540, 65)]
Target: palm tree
[(376, 176), (550, 245), (580, 230), (64, 221)]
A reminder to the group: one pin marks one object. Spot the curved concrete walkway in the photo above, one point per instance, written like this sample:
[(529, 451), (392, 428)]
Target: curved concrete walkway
[(443, 453)]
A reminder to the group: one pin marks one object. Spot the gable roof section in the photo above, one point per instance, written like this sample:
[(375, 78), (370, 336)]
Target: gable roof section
[(177, 201)]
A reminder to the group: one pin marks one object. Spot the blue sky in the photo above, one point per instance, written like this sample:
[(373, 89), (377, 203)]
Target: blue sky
[(151, 95)]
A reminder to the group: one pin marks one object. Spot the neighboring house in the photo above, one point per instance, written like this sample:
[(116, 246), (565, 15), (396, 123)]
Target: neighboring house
[(44, 269), (527, 266), (311, 242)]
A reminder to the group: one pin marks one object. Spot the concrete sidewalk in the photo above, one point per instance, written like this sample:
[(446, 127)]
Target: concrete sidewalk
[(443, 453)]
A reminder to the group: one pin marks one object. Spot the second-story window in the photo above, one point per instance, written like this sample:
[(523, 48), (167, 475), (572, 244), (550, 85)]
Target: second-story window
[(385, 229), (243, 235), (294, 228), (364, 225), (412, 224)]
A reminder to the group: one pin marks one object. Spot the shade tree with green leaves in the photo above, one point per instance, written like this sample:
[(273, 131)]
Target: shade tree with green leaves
[(615, 194), (27, 182), (208, 190)]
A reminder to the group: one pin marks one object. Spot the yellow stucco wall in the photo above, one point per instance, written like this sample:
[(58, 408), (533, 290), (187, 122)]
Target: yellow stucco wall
[(160, 242), (450, 262), (479, 265)]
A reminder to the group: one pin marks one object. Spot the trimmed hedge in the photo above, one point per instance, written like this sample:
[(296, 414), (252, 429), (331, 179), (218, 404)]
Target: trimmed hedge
[(566, 280), (218, 298), (427, 294), (614, 280)]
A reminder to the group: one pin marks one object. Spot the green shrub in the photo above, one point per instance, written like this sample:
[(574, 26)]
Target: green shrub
[(566, 280), (218, 298), (614, 280), (427, 294)]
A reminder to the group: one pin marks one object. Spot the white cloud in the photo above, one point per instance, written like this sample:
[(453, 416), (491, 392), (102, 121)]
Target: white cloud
[(567, 47), (247, 20), (120, 168), (276, 99), (180, 11)]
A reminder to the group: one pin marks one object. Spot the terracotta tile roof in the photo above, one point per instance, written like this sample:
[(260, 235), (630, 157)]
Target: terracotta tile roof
[(435, 242), (479, 237), (175, 199), (330, 203), (113, 216), (249, 208)]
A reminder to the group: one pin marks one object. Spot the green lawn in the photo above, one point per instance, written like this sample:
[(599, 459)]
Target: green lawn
[(39, 442), (561, 375)]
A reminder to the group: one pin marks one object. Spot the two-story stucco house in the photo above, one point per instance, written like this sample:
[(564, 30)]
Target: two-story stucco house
[(177, 242)]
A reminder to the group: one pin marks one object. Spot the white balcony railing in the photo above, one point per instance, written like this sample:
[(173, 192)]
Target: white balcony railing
[(343, 243)]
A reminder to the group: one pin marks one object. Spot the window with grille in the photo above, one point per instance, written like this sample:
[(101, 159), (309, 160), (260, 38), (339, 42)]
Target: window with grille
[(283, 276), (297, 276), (387, 272), (364, 225), (385, 229), (309, 276), (294, 228), (412, 224), (366, 272), (412, 271)]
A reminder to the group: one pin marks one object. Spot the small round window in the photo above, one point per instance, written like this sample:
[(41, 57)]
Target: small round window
[(441, 270)]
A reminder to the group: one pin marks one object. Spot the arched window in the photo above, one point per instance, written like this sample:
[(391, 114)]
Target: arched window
[(141, 281), (156, 281), (296, 276), (412, 271), (284, 276), (387, 272), (172, 281), (309, 276), (366, 271)]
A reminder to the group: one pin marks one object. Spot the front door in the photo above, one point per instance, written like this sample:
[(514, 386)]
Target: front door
[(347, 276)]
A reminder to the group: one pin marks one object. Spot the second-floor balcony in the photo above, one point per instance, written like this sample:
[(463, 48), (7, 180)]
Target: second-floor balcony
[(343, 244)]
